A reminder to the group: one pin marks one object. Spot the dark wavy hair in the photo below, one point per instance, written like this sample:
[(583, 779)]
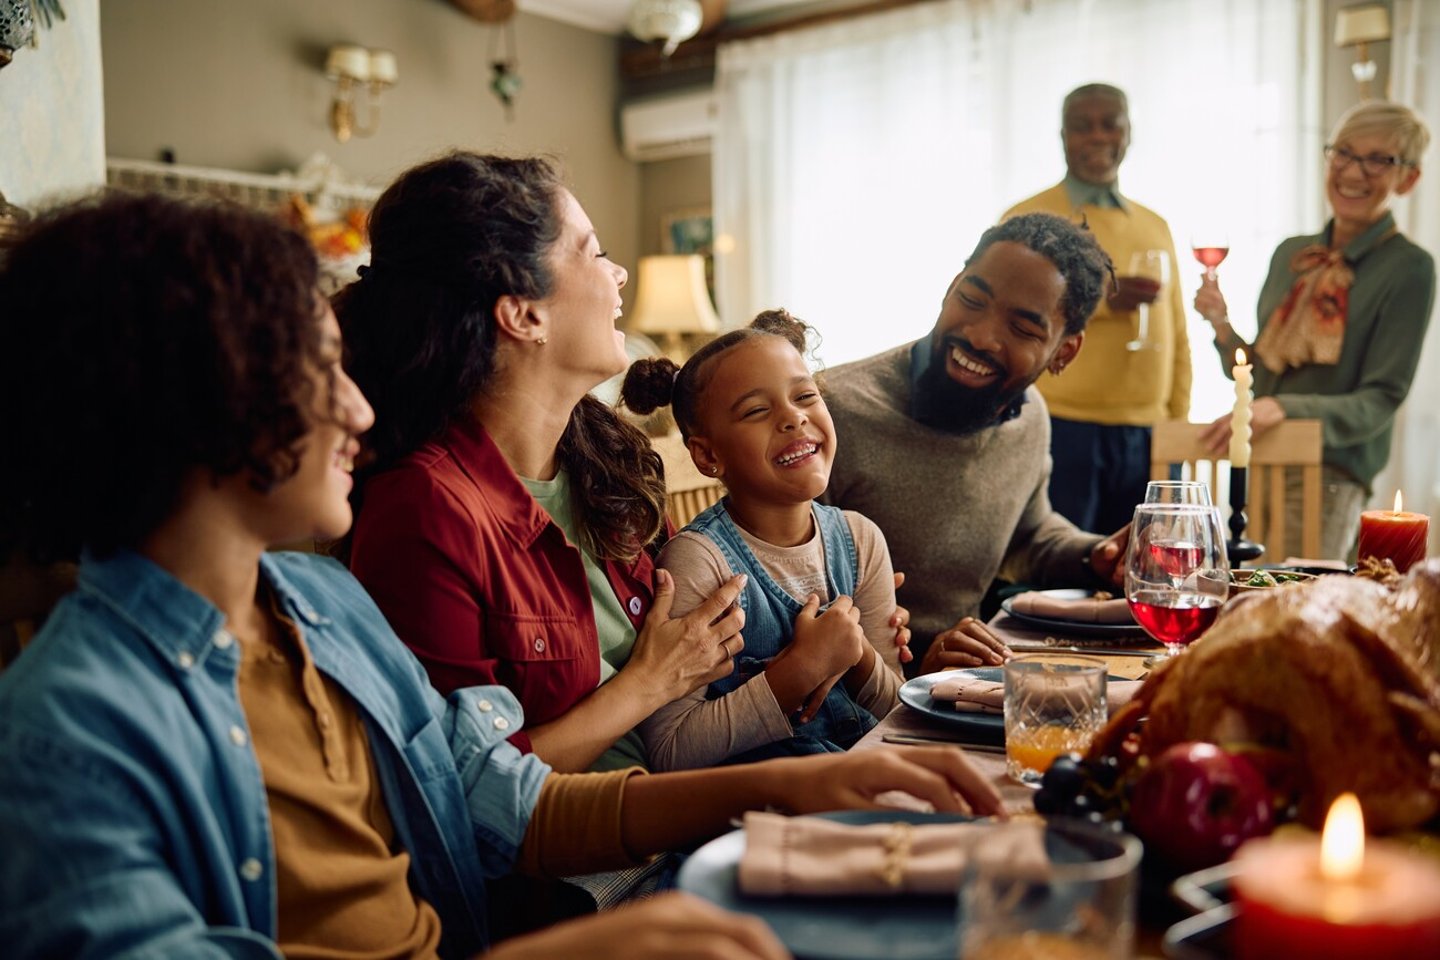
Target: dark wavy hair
[(449, 238), (657, 381), (1072, 249), (143, 338)]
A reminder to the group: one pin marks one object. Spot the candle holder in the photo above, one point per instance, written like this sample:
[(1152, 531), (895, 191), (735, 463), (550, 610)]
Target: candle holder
[(1237, 547)]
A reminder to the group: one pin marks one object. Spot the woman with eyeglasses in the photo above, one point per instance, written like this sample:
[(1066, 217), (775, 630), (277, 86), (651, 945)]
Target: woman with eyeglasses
[(1342, 316)]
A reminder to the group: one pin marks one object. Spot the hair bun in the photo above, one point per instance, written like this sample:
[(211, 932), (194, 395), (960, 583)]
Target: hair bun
[(649, 384), (782, 323)]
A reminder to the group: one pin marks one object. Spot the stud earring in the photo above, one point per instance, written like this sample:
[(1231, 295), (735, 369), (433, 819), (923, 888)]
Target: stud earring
[(541, 341)]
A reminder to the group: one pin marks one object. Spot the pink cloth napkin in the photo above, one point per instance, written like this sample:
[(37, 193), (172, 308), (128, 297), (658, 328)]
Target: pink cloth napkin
[(970, 694), (1087, 610), (808, 856)]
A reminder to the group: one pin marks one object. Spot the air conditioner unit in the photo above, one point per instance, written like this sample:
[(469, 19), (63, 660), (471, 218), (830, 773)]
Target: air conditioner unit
[(678, 125)]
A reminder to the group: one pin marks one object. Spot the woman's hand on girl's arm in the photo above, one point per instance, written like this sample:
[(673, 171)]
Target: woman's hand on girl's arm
[(675, 656), (669, 926)]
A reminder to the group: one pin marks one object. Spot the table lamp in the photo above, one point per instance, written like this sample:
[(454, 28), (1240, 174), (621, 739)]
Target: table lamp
[(673, 301)]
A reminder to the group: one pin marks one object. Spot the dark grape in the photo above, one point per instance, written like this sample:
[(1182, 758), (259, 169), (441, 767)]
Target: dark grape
[(1066, 777), (1046, 803), (1104, 772)]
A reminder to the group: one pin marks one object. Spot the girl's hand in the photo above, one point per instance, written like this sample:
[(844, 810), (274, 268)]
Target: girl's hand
[(967, 644), (901, 622), (851, 781), (674, 657), (831, 642), (665, 926)]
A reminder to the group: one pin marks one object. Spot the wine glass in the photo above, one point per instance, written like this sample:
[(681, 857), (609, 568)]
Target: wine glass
[(1150, 265), (1177, 574), (1178, 491), (1210, 249)]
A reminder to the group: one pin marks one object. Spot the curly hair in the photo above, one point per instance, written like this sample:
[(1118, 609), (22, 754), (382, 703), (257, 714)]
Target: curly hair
[(1073, 251), (449, 238), (145, 338), (657, 381)]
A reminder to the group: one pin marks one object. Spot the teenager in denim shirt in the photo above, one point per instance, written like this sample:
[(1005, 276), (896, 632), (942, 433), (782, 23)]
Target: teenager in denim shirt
[(211, 750)]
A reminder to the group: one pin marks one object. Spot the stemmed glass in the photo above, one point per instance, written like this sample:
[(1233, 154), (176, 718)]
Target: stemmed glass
[(1153, 265), (1177, 574), (1178, 491), (1210, 249)]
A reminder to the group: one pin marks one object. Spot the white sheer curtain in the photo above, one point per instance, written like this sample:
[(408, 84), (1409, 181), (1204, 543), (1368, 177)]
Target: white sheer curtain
[(856, 164), (1415, 458)]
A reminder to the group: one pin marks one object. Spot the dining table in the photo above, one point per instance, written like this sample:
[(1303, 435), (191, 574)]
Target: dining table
[(1125, 657)]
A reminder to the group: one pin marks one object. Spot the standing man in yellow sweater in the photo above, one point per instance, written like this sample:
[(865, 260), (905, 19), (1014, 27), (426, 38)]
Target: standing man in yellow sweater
[(1102, 410)]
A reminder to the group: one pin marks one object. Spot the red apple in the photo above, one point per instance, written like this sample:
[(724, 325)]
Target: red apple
[(1195, 804)]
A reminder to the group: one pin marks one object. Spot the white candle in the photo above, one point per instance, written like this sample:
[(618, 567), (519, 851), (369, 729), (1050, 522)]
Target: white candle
[(1240, 416)]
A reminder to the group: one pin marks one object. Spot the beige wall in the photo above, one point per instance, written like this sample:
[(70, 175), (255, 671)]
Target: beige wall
[(52, 130), (668, 187), (240, 85)]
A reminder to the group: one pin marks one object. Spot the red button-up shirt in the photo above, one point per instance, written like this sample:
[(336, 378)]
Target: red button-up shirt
[(478, 580)]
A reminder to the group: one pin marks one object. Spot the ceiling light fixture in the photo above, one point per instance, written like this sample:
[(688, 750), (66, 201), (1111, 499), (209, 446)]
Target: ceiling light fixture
[(669, 21)]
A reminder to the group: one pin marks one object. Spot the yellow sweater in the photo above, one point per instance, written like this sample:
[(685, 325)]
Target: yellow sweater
[(1107, 383)]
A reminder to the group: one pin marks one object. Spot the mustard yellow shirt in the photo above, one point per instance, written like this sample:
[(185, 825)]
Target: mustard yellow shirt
[(1106, 383)]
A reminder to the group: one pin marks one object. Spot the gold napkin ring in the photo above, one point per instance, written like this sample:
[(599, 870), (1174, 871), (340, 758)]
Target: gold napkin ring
[(897, 845)]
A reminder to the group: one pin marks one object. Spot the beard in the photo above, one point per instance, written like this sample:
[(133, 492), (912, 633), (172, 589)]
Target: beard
[(942, 404)]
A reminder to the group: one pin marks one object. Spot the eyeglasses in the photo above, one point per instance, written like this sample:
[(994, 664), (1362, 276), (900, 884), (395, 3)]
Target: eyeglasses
[(1373, 165)]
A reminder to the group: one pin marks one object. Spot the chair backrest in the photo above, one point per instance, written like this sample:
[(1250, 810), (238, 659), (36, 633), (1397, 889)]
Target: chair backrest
[(687, 490), (1293, 443), (27, 592)]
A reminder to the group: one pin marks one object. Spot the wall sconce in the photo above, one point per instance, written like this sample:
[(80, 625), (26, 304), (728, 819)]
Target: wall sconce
[(673, 301), (1359, 26), (351, 68)]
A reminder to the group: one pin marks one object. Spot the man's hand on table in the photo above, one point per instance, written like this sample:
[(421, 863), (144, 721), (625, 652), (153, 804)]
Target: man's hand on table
[(967, 644), (1107, 558)]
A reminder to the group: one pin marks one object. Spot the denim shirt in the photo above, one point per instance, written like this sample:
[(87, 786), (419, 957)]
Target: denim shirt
[(134, 820)]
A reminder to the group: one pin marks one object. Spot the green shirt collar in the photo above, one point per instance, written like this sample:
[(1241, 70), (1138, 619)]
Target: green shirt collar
[(1367, 241), (1084, 194)]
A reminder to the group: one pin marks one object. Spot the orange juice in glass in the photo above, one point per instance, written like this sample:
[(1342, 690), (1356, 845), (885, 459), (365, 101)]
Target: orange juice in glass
[(1054, 704)]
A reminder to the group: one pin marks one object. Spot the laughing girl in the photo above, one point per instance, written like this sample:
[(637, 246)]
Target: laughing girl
[(818, 663)]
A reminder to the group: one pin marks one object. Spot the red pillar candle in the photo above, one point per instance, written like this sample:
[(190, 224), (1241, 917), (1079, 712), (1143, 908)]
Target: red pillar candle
[(1395, 535), (1383, 903)]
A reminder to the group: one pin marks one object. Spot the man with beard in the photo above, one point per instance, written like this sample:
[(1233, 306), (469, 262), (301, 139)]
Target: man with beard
[(945, 443), (1102, 410)]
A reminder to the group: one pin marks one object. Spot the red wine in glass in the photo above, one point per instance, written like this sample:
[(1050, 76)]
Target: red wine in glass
[(1211, 253), (1178, 558), (1175, 619)]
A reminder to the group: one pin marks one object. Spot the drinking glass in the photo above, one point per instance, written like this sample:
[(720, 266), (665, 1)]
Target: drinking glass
[(1211, 249), (1177, 574), (1059, 890), (1151, 265), (1054, 704), (1178, 491)]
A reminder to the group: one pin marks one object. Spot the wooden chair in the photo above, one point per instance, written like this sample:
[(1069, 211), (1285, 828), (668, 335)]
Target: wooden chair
[(1293, 443), (27, 592), (688, 491)]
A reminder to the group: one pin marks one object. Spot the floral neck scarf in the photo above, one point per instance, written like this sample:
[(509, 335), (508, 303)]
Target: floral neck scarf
[(1309, 324)]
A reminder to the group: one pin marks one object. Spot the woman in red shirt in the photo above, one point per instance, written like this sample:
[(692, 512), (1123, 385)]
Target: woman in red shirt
[(507, 524)]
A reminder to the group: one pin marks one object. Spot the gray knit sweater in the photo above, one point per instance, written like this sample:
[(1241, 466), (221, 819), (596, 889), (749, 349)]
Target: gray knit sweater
[(955, 510)]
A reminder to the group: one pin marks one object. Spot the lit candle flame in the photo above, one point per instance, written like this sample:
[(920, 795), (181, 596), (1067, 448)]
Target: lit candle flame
[(1239, 357), (1342, 844), (1397, 501)]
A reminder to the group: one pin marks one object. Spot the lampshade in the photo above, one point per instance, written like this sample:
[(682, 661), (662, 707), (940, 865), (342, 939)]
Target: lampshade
[(672, 297), (347, 60), (382, 67), (1363, 23)]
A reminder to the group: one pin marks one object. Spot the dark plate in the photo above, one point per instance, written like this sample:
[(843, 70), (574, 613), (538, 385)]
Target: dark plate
[(984, 727), (832, 928), (1071, 627)]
